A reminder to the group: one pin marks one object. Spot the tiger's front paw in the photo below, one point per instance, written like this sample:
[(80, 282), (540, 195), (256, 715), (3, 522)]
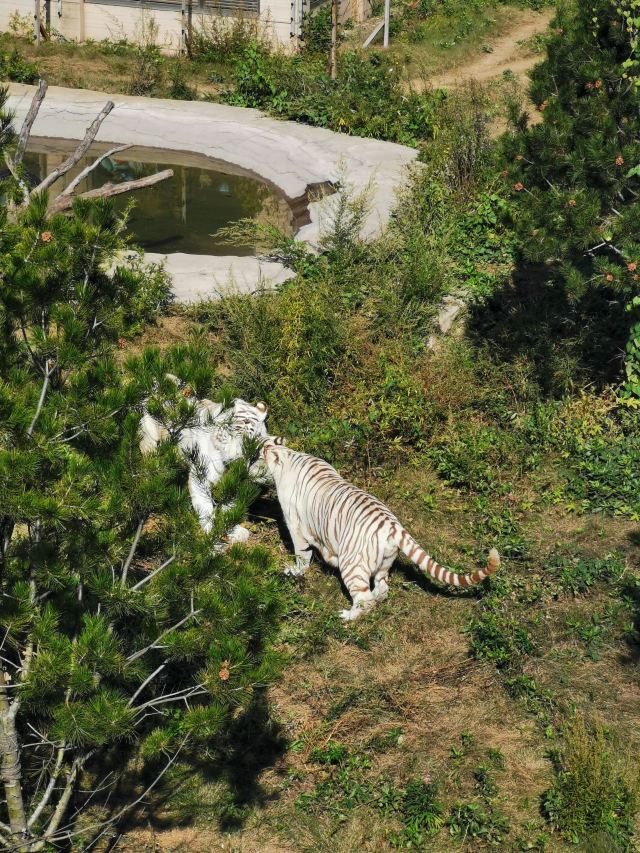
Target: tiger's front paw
[(295, 570), (350, 615), (238, 534)]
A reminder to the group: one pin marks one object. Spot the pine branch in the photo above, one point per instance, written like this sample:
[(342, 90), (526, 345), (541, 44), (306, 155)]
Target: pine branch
[(43, 394), (53, 778), (177, 696), (153, 645), (63, 835), (152, 574), (147, 681), (132, 551), (63, 802), (11, 166)]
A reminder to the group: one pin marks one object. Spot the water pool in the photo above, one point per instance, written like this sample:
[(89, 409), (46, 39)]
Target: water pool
[(181, 214)]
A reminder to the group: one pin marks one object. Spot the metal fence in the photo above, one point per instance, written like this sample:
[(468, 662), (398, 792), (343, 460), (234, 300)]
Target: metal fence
[(214, 7)]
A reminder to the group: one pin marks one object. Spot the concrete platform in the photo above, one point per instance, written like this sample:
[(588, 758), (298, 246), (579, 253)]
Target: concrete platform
[(290, 156)]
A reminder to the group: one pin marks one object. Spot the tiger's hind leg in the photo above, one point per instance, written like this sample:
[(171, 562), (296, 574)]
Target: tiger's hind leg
[(356, 578), (380, 580), (303, 553)]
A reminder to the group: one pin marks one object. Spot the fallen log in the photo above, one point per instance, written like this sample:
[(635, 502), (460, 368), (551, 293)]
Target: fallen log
[(64, 202)]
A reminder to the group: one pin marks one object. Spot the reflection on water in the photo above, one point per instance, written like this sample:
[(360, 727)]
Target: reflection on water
[(177, 215)]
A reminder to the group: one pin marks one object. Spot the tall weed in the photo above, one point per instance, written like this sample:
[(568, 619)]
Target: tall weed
[(147, 71), (226, 39), (594, 796)]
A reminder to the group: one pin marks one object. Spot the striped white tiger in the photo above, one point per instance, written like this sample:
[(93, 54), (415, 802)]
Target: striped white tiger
[(210, 445), (351, 529)]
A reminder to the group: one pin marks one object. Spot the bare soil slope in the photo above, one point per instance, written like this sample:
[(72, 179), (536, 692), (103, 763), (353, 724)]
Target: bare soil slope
[(509, 52)]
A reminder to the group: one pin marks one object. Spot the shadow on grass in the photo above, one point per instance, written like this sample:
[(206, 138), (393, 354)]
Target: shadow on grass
[(430, 586), (231, 770), (565, 343), (631, 591)]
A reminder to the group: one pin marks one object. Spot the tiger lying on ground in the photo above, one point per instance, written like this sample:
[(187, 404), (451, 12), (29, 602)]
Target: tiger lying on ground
[(352, 530), (215, 441)]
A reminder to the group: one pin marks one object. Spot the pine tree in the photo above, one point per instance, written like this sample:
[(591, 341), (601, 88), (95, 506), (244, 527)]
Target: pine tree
[(122, 625), (576, 175)]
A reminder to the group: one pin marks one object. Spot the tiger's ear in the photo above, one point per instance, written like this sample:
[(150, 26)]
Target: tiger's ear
[(212, 409), (262, 408)]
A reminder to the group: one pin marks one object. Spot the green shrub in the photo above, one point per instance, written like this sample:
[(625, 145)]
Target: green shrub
[(367, 99), (592, 793), (147, 71), (15, 67), (316, 31), (284, 346), (578, 574), (179, 82), (332, 753), (605, 475)]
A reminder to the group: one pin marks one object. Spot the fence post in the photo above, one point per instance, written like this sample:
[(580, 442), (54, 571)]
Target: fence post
[(387, 15), (333, 56), (37, 24)]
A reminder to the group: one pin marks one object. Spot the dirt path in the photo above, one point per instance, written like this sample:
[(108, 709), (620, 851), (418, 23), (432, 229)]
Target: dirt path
[(506, 53)]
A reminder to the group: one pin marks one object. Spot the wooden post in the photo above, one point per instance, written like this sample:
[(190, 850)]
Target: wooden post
[(387, 15), (37, 24), (333, 56), (183, 30)]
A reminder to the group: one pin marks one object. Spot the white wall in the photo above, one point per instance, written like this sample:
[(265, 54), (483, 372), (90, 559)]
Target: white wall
[(81, 20)]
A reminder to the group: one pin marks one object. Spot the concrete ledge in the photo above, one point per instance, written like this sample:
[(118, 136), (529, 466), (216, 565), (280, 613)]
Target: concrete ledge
[(200, 277), (293, 157)]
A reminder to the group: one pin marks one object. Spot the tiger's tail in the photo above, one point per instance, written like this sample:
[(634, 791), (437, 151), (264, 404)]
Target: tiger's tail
[(429, 566)]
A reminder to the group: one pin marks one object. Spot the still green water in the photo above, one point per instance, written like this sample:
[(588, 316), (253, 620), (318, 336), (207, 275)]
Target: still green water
[(181, 214)]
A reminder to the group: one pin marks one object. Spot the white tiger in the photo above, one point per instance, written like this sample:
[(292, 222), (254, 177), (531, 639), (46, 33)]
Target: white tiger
[(210, 445), (351, 530)]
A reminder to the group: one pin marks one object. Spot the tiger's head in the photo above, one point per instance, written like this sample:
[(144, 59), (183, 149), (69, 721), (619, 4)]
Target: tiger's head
[(271, 452)]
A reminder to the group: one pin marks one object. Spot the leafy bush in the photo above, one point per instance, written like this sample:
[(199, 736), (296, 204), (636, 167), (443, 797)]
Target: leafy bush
[(283, 347), (332, 753), (179, 82), (15, 67), (606, 475), (367, 99), (577, 575), (592, 793), (316, 32)]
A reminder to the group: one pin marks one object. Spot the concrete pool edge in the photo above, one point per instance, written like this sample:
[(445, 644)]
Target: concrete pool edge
[(292, 157)]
